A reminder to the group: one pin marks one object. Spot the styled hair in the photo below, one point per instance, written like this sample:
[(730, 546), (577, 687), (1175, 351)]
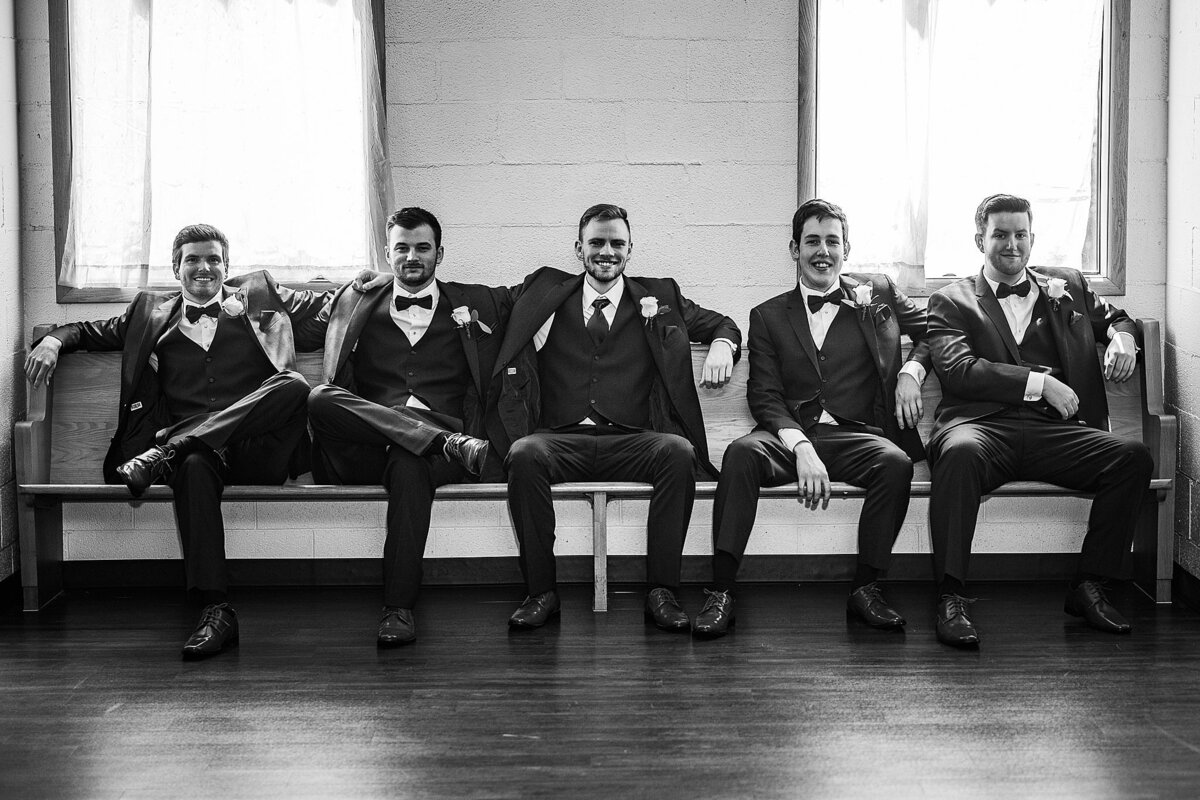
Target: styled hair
[(413, 217), (604, 211), (999, 204), (820, 210), (198, 233)]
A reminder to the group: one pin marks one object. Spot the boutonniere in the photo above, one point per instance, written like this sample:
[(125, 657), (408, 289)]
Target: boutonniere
[(861, 300), (862, 295), (1056, 290), (234, 305), (463, 317), (652, 310)]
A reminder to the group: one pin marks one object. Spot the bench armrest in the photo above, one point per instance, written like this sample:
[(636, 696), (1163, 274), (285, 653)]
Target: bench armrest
[(1160, 430), (31, 437)]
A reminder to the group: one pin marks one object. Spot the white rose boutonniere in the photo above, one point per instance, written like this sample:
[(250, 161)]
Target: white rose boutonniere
[(1056, 290), (234, 305), (463, 317), (862, 295), (651, 310)]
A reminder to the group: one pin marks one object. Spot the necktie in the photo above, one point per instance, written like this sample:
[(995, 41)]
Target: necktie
[(1020, 290), (194, 313), (597, 326), (407, 302), (816, 301)]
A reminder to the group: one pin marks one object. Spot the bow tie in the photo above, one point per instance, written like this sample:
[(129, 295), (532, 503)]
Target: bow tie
[(1020, 290), (408, 302), (815, 301), (194, 313)]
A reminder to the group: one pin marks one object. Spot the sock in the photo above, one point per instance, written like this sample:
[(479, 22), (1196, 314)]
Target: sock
[(437, 447), (725, 567), (1080, 577), (211, 597), (864, 574), (952, 585)]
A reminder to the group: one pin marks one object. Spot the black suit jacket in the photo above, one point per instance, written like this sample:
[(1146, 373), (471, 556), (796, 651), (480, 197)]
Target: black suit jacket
[(341, 323), (270, 312), (976, 356), (785, 373), (674, 404)]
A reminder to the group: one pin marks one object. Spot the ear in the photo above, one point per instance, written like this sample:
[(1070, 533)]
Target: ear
[(979, 241), (579, 250), (794, 249), (440, 252), (1031, 239), (846, 251)]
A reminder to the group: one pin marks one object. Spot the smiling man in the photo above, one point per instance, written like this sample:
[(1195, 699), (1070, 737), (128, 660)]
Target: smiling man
[(832, 402), (1023, 399), (595, 382), (209, 398)]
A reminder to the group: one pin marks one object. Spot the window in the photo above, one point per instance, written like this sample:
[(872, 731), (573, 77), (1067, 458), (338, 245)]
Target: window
[(920, 108), (263, 119)]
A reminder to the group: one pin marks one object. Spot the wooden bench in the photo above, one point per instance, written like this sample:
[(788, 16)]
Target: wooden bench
[(61, 444)]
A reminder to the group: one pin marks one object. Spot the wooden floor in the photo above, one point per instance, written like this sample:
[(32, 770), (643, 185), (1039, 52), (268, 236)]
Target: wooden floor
[(796, 703)]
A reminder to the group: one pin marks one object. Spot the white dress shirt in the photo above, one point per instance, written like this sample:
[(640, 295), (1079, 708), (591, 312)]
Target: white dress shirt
[(614, 295), (414, 321)]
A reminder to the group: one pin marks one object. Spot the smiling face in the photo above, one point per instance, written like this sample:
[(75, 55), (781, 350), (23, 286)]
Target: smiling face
[(1005, 244), (201, 270), (819, 254), (413, 255), (604, 248)]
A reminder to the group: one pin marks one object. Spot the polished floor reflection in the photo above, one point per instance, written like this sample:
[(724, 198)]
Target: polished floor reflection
[(797, 702)]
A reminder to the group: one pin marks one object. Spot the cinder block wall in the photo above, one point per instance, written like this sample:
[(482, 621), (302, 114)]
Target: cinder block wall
[(11, 345)]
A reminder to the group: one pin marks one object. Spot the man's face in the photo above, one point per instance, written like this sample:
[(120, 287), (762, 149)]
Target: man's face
[(1005, 245), (819, 253), (604, 251), (413, 256), (201, 270)]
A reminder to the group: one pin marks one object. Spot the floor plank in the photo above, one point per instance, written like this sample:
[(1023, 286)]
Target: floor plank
[(797, 702)]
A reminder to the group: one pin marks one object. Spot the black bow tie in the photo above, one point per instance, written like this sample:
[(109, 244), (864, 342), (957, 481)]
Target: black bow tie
[(1020, 290), (194, 313), (408, 302), (815, 301)]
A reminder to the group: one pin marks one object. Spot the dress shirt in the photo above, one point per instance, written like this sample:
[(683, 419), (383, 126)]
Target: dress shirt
[(202, 331), (414, 321), (614, 295)]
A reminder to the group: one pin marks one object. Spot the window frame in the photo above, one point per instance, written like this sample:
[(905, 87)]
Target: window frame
[(1114, 116), (60, 127)]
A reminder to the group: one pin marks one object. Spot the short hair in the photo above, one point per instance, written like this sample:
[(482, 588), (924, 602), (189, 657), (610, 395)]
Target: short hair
[(604, 211), (412, 217), (198, 233), (999, 204), (820, 210)]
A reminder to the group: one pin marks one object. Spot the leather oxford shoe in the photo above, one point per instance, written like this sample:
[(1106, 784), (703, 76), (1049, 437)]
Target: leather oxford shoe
[(954, 626), (466, 451), (664, 611), (716, 618), (217, 630), (141, 472), (867, 603), (397, 627), (535, 611), (1088, 600)]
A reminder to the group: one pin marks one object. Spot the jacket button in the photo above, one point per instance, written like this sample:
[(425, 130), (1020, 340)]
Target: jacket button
[(593, 402), (595, 358), (821, 357), (212, 380), (208, 360)]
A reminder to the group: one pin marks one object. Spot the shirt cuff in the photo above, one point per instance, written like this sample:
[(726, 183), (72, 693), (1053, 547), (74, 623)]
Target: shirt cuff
[(1132, 339), (1034, 386), (732, 346), (915, 369), (791, 437)]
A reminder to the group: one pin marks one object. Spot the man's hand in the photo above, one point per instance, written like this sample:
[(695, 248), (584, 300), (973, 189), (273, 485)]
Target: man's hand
[(42, 360), (718, 366), (1062, 398), (909, 407), (812, 477), (1120, 358), (369, 279)]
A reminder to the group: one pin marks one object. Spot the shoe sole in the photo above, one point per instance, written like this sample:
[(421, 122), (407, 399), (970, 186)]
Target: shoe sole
[(525, 626), (879, 626), (200, 655), (700, 634), (387, 644)]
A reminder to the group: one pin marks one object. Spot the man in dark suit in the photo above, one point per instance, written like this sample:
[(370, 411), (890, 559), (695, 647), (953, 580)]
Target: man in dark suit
[(407, 367), (832, 402), (594, 382), (208, 398), (1023, 399)]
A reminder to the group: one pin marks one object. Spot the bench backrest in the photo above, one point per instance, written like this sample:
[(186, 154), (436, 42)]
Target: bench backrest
[(86, 387)]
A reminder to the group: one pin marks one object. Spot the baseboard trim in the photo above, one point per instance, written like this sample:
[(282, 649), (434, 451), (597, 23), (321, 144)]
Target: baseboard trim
[(571, 569)]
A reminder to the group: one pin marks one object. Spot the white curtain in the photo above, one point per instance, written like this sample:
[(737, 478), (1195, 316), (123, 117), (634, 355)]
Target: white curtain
[(261, 118), (925, 107)]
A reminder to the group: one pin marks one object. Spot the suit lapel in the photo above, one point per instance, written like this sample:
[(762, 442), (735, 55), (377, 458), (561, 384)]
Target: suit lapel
[(156, 326), (991, 307), (634, 292), (524, 325), (343, 341), (866, 324), (797, 316), (456, 297)]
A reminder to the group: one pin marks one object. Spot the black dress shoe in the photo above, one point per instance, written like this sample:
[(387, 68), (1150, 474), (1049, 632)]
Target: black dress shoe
[(716, 618), (954, 626), (663, 610), (535, 611), (867, 603), (217, 630), (141, 472), (1088, 600), (397, 627), (466, 451)]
